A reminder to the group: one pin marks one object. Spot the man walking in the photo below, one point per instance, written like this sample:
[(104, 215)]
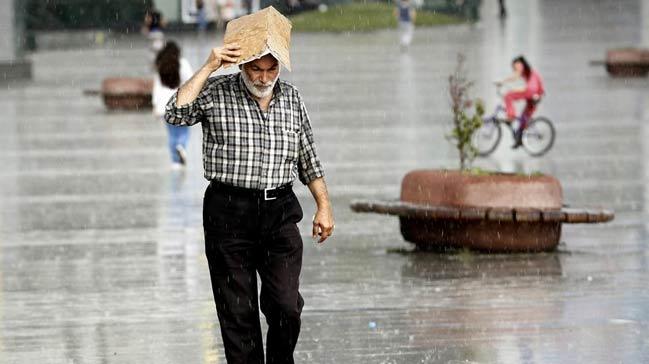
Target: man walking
[(257, 139)]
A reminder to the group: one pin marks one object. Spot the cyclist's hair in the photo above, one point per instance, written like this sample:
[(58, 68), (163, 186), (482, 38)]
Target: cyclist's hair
[(167, 63), (527, 70)]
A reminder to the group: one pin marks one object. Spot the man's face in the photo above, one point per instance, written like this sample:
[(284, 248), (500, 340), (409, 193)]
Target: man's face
[(261, 75), (263, 70)]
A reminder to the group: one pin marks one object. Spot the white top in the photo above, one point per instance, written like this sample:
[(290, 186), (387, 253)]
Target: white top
[(162, 94)]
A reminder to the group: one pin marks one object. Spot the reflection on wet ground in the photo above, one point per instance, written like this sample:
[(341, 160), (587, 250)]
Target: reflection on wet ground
[(101, 244)]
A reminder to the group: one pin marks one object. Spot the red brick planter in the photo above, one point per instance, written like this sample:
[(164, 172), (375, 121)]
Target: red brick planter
[(498, 192)]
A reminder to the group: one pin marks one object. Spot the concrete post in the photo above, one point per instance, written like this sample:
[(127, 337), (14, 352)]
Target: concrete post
[(13, 65)]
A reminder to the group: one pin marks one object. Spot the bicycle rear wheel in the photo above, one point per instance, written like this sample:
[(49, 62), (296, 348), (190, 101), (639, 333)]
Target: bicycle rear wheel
[(486, 139), (538, 136)]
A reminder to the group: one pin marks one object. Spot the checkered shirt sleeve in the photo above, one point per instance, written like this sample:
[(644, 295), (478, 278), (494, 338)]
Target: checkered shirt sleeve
[(193, 112), (309, 166)]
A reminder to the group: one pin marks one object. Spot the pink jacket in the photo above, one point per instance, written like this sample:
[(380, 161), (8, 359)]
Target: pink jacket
[(534, 85)]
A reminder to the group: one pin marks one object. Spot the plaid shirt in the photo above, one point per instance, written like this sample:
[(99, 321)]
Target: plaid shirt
[(244, 146)]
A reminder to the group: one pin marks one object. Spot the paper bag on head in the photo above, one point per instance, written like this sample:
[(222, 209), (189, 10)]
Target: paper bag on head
[(264, 32)]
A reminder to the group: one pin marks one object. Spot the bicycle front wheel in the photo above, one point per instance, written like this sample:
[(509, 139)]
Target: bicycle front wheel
[(486, 139), (538, 136)]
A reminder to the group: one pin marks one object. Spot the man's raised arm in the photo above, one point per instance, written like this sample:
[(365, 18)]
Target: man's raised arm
[(185, 107), (218, 57)]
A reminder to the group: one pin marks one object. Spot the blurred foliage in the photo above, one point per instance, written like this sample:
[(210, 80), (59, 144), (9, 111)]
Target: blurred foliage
[(464, 124), (362, 17), (290, 7), (85, 14)]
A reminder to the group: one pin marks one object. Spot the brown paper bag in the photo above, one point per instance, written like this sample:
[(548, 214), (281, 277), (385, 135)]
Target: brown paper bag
[(264, 32)]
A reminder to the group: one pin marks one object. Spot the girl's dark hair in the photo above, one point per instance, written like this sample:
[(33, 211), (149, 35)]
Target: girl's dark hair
[(527, 70), (167, 63)]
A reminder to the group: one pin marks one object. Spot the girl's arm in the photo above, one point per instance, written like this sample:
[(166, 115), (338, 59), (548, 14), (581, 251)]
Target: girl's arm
[(512, 78)]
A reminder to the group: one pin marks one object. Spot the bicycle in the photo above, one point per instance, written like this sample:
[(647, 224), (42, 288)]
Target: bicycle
[(537, 137)]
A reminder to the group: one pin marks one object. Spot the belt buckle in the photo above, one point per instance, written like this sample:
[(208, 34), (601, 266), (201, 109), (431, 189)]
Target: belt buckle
[(266, 198)]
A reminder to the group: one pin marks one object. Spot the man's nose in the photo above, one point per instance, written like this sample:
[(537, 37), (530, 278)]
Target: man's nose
[(264, 77)]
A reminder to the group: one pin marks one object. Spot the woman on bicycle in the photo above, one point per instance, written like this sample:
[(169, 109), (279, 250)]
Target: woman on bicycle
[(532, 93)]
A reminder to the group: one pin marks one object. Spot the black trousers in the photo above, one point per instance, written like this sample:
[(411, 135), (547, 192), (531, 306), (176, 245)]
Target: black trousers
[(244, 236)]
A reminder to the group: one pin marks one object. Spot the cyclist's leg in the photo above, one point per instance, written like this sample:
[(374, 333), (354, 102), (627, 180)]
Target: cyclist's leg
[(510, 97), (526, 116)]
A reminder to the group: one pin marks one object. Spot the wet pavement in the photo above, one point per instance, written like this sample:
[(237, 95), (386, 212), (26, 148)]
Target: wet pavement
[(101, 245)]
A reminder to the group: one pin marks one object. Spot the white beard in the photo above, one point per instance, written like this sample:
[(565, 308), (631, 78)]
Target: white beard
[(257, 89)]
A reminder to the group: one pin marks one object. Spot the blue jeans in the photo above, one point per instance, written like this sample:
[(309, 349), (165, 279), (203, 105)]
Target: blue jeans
[(178, 135), (201, 20)]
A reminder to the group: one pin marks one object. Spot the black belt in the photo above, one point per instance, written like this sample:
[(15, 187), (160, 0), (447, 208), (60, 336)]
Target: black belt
[(265, 194)]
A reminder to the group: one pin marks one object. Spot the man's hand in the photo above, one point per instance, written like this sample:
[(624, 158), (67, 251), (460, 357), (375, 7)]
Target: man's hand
[(221, 56), (323, 220), (323, 223)]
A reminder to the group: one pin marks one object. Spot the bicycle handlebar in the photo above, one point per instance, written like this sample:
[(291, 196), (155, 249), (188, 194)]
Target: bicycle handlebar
[(499, 89)]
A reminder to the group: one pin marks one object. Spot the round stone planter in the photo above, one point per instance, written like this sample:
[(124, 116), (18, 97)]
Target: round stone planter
[(627, 62), (127, 93), (498, 213), (480, 199)]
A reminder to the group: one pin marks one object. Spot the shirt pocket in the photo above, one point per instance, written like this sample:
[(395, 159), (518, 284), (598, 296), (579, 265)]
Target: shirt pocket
[(289, 141)]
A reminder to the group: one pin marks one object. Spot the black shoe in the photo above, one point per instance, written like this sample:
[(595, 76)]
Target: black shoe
[(518, 142), (518, 139)]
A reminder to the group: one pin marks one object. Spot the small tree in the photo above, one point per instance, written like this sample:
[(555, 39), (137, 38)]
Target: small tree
[(464, 125)]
